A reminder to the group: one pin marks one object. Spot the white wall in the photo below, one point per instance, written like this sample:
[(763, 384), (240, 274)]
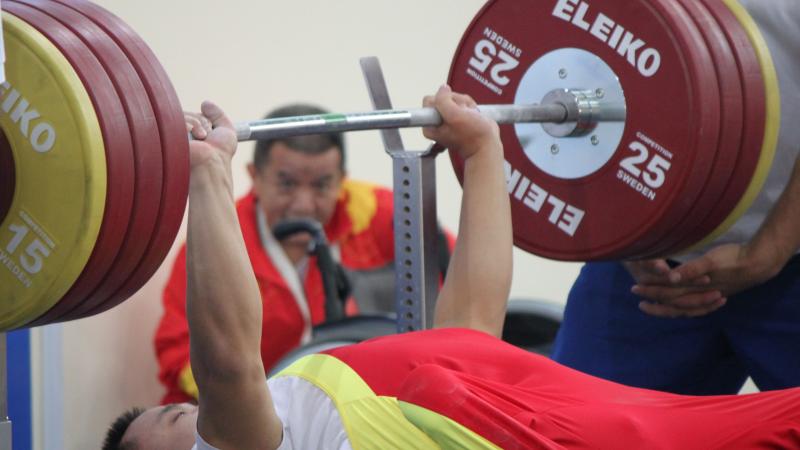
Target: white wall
[(250, 57)]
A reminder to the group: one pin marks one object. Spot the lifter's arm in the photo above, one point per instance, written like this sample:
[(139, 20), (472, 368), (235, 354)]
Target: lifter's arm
[(475, 291), (223, 302)]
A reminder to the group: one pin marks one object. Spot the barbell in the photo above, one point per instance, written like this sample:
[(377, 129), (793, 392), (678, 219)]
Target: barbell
[(641, 128), (563, 112)]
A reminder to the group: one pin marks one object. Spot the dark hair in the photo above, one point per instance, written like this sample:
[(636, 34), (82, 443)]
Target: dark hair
[(117, 430), (313, 144)]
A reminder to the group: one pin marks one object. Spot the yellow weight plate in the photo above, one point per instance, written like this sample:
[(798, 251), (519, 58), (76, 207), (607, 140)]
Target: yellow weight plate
[(772, 121), (59, 195)]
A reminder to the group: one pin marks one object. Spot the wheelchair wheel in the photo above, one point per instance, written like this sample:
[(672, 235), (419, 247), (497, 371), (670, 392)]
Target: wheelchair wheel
[(347, 331), (532, 324)]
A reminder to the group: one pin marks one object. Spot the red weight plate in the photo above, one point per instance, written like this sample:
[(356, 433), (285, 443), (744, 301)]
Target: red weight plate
[(672, 120), (706, 147), (8, 177), (174, 144), (116, 136), (754, 124), (147, 161), (729, 139)]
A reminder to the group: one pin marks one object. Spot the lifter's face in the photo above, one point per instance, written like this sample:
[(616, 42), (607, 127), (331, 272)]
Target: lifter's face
[(170, 427), (295, 185)]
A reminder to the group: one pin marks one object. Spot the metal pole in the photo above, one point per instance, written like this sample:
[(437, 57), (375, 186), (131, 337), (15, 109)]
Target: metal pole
[(416, 268), (387, 118), (414, 175), (419, 117)]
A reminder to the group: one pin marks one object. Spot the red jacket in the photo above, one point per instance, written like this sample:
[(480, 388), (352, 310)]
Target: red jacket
[(361, 226)]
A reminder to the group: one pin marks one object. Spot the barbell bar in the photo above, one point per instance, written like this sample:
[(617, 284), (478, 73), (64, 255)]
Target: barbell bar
[(566, 107)]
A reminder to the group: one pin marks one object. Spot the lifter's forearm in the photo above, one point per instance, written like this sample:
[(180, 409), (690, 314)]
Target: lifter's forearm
[(479, 277), (224, 311)]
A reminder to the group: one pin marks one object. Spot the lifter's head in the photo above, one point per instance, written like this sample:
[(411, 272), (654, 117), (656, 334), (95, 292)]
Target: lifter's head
[(169, 427)]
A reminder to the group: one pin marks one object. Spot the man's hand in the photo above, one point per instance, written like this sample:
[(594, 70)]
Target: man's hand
[(464, 129), (699, 286), (214, 138)]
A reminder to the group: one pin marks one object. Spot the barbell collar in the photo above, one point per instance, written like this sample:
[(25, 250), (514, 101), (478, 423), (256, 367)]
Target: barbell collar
[(585, 109)]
